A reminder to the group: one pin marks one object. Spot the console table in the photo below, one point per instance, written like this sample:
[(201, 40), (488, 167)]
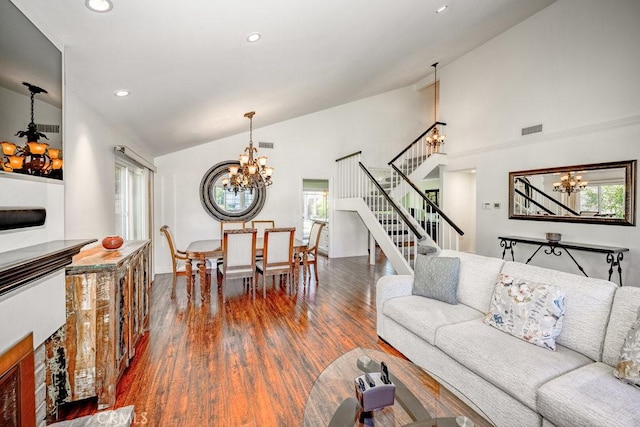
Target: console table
[(614, 254)]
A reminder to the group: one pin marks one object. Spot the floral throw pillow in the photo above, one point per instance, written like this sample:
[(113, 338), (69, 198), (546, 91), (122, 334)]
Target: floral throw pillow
[(530, 311), (628, 368)]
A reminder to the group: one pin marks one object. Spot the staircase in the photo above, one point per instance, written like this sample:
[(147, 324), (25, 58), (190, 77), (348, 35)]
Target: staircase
[(384, 198), (530, 200)]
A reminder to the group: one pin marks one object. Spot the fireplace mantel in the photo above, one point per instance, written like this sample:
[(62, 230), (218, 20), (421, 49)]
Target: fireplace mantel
[(18, 267)]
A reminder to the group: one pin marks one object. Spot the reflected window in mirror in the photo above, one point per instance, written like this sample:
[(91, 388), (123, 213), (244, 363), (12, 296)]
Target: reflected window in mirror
[(597, 193)]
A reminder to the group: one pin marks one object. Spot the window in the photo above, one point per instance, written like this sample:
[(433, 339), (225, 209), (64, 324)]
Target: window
[(603, 200), (315, 203), (132, 200)]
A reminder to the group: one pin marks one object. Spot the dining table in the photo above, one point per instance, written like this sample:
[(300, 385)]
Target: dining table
[(200, 250)]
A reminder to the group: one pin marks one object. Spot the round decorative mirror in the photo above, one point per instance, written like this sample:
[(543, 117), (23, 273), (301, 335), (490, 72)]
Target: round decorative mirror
[(226, 205)]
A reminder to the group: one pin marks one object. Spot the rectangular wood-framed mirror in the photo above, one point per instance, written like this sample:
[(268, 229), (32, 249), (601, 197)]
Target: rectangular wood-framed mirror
[(601, 193)]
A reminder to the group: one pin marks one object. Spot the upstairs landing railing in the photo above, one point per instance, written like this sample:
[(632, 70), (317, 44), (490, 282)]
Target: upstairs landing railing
[(416, 152)]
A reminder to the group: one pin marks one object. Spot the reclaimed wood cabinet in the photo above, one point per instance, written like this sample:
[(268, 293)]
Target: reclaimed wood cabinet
[(107, 308)]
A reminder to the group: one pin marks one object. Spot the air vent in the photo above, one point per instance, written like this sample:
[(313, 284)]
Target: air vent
[(48, 128), (265, 144), (531, 129)]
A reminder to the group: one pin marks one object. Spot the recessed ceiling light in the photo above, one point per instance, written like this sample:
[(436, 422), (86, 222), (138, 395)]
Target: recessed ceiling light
[(121, 93), (442, 8), (100, 6), (253, 37)]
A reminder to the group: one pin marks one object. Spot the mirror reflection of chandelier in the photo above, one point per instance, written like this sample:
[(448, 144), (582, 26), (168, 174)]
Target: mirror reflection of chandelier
[(35, 158), (569, 183), (435, 138), (252, 172)]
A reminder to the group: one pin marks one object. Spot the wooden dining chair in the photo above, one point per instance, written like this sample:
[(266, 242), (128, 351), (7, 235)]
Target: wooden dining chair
[(277, 256), (239, 256), (177, 256), (310, 253), (230, 225), (262, 224)]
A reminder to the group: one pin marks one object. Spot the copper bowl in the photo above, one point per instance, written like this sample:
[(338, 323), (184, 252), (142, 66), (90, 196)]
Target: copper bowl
[(112, 242)]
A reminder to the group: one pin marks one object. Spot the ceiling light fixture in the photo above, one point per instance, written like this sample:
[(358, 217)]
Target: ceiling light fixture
[(100, 6), (35, 158), (251, 173), (122, 93), (442, 8), (570, 183), (435, 138), (253, 37)]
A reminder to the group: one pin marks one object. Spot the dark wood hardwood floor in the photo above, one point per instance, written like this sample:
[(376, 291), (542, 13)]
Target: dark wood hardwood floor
[(246, 362)]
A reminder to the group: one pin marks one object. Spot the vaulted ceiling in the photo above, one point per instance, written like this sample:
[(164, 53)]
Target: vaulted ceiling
[(192, 74)]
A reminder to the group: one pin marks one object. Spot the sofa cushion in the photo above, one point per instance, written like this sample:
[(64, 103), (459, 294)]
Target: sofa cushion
[(624, 312), (423, 316), (527, 310), (510, 364), (587, 306), (436, 277), (628, 368), (589, 396), (476, 278)]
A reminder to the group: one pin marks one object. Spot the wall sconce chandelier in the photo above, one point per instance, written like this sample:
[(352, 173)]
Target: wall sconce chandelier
[(35, 158), (570, 183), (435, 138), (251, 173)]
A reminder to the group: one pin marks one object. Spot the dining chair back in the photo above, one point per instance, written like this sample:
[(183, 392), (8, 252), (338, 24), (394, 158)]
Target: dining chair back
[(230, 225), (310, 253), (177, 256), (239, 255), (262, 224), (277, 255)]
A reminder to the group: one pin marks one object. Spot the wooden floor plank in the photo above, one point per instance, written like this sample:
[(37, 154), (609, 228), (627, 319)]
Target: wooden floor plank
[(247, 362)]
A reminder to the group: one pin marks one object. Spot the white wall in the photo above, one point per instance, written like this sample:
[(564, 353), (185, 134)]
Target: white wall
[(573, 68), (305, 147), (89, 170)]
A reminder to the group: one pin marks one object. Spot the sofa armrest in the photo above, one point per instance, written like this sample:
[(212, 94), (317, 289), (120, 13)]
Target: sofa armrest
[(391, 287)]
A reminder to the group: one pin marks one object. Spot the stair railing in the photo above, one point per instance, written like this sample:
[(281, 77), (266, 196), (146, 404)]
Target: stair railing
[(438, 225), (355, 181), (416, 152), (530, 199)]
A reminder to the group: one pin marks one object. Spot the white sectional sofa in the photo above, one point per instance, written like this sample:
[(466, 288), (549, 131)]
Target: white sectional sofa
[(514, 382)]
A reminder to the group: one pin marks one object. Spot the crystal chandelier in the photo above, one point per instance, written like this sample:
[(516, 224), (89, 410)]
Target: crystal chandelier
[(435, 138), (251, 172), (35, 158), (570, 183)]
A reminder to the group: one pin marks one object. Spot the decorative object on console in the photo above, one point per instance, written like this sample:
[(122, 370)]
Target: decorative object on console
[(435, 138), (570, 183), (628, 368), (437, 278), (35, 158), (530, 311), (252, 173), (553, 237), (112, 242)]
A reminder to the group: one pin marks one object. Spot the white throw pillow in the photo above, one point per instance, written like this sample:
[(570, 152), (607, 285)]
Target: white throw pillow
[(628, 368), (533, 312)]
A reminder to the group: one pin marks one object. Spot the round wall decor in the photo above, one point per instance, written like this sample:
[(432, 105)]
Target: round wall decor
[(224, 205)]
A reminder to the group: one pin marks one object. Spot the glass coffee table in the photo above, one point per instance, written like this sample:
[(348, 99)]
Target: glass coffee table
[(419, 399)]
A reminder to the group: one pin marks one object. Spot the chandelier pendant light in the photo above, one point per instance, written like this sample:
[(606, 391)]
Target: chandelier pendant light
[(435, 139), (35, 158), (570, 183), (252, 172)]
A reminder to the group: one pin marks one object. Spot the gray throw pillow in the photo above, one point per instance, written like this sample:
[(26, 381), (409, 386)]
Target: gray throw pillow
[(436, 277)]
